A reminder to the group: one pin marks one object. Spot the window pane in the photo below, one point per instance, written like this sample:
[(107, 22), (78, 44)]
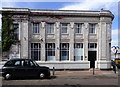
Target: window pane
[(50, 28), (78, 51), (35, 27), (91, 28), (64, 28), (17, 63), (16, 31), (92, 45), (50, 51), (35, 51), (64, 51), (78, 28)]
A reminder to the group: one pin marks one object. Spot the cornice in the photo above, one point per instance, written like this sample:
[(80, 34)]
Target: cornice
[(43, 12)]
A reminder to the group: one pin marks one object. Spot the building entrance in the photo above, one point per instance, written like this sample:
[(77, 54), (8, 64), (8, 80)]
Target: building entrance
[(92, 58)]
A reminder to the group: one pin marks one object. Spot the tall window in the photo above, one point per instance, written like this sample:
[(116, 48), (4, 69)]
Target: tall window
[(78, 28), (36, 28), (78, 51), (64, 51), (50, 51), (50, 28), (64, 27), (35, 51), (16, 31), (92, 28), (92, 45)]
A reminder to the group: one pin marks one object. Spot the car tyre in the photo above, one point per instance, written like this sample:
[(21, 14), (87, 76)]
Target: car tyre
[(7, 76), (42, 75)]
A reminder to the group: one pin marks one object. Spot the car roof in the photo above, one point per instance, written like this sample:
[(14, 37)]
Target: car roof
[(19, 59)]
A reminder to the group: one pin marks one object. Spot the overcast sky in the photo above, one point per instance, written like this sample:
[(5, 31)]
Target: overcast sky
[(111, 5)]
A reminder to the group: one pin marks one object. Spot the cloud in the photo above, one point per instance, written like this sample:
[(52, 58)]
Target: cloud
[(8, 4), (111, 5), (114, 37), (93, 5)]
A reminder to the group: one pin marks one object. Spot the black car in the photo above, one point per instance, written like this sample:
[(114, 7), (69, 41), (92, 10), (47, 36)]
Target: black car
[(24, 68)]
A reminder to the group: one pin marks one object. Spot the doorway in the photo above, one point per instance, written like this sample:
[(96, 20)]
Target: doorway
[(92, 58)]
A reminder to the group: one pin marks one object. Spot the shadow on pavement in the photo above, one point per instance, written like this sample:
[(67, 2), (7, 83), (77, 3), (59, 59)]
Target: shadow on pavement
[(32, 78)]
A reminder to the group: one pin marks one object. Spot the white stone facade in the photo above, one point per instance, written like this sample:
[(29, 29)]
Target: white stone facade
[(81, 45)]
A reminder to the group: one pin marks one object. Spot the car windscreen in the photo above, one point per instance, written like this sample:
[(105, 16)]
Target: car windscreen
[(35, 63), (9, 63)]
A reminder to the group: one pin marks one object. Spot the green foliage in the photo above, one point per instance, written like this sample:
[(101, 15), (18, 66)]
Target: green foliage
[(7, 32)]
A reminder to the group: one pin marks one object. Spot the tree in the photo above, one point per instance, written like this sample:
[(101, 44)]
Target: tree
[(7, 32)]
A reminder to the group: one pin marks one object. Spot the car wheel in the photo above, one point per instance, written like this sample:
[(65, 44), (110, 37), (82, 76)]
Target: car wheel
[(42, 75), (8, 76)]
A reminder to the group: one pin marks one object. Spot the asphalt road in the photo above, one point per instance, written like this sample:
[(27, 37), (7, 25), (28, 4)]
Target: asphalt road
[(69, 78)]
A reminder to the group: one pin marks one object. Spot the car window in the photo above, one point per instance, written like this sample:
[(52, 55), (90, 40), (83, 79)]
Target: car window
[(35, 63), (31, 63), (9, 63), (17, 63), (26, 63)]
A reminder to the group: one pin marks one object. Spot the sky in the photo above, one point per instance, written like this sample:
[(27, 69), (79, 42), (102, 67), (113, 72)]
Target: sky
[(111, 5)]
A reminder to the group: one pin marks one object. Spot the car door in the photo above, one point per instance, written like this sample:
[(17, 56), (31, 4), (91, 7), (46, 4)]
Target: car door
[(18, 70), (29, 68)]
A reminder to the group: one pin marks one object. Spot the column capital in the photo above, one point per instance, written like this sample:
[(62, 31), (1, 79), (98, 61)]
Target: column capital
[(72, 25), (43, 24), (57, 24)]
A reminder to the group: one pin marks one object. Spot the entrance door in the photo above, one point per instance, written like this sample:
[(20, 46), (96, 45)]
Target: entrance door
[(92, 58)]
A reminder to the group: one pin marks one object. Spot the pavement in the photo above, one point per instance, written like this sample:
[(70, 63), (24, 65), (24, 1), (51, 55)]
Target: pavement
[(70, 78)]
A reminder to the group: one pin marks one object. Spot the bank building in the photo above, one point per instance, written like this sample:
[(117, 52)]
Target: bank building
[(64, 39)]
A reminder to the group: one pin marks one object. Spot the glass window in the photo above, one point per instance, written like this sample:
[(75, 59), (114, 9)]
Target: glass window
[(31, 63), (78, 28), (35, 51), (64, 27), (17, 63), (64, 51), (92, 45), (92, 28), (78, 51), (50, 51), (26, 63), (9, 63), (50, 28), (16, 31), (36, 28)]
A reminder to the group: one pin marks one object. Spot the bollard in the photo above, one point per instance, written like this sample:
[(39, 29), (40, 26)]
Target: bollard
[(53, 71), (93, 70)]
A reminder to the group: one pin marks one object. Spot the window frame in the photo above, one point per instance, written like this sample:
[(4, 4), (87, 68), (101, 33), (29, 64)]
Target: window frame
[(92, 45), (64, 28), (36, 49), (78, 28), (50, 26), (16, 31), (92, 28), (80, 47), (63, 50), (35, 28), (50, 50)]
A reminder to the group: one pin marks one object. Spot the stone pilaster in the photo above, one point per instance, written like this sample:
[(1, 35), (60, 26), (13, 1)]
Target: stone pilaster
[(85, 36), (42, 38), (57, 41), (108, 31), (103, 41), (71, 44), (24, 39)]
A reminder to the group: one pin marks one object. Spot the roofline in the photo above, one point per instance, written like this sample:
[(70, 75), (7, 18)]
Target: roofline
[(28, 11)]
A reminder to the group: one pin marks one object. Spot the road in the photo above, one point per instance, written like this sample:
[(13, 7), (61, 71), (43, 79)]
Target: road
[(73, 78)]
